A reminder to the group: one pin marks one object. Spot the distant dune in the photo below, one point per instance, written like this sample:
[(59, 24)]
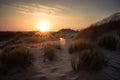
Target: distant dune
[(108, 25), (12, 38)]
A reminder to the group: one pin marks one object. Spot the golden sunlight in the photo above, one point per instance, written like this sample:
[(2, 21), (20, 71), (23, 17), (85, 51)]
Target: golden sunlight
[(43, 26), (62, 41)]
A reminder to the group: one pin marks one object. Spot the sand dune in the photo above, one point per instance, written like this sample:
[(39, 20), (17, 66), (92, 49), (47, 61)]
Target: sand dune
[(60, 69)]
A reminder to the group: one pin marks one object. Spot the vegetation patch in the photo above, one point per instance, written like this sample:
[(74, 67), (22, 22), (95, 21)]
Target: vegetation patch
[(92, 60), (49, 51), (53, 45), (108, 42), (80, 45), (16, 57), (89, 56)]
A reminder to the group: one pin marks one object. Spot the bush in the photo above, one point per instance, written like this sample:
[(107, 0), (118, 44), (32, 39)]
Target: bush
[(89, 59), (108, 42), (57, 46), (77, 46), (74, 64), (53, 45), (50, 50), (16, 57)]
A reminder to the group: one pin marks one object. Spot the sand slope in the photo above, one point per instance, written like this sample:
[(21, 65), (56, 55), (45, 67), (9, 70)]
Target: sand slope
[(60, 69)]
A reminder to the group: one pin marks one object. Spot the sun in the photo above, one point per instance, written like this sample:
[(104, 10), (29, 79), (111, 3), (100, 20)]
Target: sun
[(43, 26)]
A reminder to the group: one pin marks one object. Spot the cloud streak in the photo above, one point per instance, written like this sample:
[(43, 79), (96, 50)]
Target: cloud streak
[(63, 7), (35, 8)]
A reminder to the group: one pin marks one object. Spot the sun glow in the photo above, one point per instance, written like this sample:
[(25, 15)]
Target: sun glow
[(43, 26), (62, 41)]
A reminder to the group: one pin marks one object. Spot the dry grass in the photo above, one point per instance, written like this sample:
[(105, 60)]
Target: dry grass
[(89, 56), (79, 45), (16, 57), (108, 42), (50, 50), (88, 59)]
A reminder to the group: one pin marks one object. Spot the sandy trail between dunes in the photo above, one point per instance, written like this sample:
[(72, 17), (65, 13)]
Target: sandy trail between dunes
[(60, 69), (55, 69), (49, 70)]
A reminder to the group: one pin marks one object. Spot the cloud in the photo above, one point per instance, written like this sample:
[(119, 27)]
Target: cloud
[(34, 8), (63, 8), (38, 7)]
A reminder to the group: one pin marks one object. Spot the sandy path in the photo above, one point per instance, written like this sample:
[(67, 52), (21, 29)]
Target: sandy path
[(49, 70), (55, 70), (61, 68)]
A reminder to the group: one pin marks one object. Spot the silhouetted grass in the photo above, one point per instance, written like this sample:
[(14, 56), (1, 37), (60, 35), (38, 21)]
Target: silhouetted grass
[(77, 46), (92, 60), (89, 56), (16, 57), (108, 42), (50, 49), (49, 53), (53, 45)]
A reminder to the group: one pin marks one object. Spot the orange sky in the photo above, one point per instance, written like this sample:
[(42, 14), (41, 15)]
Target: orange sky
[(18, 15)]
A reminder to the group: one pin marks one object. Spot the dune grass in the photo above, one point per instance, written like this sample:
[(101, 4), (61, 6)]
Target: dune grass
[(53, 45), (50, 50), (49, 53), (90, 56), (16, 57), (79, 45), (92, 60), (108, 42)]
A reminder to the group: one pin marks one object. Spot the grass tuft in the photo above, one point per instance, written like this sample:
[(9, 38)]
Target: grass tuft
[(16, 57), (92, 60), (108, 42), (77, 46), (89, 56), (50, 49)]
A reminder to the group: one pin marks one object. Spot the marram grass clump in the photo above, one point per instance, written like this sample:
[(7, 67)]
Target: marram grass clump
[(89, 60), (16, 57), (80, 45), (53, 45), (108, 42), (88, 56), (50, 50)]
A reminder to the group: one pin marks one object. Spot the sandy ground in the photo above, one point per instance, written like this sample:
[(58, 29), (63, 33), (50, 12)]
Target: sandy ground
[(40, 70), (60, 69)]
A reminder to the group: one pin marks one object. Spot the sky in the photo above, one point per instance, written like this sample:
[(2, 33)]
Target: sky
[(25, 15)]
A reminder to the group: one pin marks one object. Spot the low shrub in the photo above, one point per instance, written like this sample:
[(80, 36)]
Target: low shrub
[(53, 45), (77, 46), (16, 57), (108, 42), (49, 51), (89, 60), (75, 63), (57, 46)]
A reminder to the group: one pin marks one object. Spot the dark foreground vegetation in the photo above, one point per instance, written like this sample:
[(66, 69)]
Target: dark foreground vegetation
[(14, 57), (89, 56), (50, 49)]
